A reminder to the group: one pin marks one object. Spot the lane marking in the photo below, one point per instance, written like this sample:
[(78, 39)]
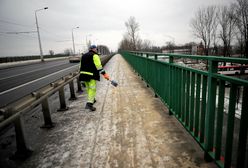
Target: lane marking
[(24, 73), (6, 91)]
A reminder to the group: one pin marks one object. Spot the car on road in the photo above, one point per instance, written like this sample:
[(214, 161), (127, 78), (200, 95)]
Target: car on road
[(74, 58)]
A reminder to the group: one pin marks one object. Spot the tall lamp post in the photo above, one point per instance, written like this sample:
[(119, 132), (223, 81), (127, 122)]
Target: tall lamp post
[(95, 41), (87, 42), (73, 39), (37, 26)]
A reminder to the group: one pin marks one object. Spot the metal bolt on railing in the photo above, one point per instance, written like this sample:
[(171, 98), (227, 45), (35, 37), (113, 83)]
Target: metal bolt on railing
[(37, 95)]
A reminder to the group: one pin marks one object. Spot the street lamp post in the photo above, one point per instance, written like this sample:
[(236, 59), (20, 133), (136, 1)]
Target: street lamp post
[(73, 39), (87, 43), (96, 41), (37, 26)]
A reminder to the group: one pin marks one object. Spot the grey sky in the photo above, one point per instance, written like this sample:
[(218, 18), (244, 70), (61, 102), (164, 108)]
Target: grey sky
[(101, 21)]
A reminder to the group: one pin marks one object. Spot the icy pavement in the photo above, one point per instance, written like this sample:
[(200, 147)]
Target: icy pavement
[(130, 128)]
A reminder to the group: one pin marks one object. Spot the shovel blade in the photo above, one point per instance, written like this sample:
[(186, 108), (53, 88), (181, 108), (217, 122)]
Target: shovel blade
[(114, 83)]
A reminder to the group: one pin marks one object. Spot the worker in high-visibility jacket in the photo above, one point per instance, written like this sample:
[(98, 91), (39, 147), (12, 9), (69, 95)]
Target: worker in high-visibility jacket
[(90, 70)]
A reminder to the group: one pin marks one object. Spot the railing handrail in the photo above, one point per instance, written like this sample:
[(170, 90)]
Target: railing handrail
[(191, 95), (209, 58), (197, 57)]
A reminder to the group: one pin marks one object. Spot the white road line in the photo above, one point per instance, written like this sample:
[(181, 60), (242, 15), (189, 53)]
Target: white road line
[(6, 91), (23, 73)]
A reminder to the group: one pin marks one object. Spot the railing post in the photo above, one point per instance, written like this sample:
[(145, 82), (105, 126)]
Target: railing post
[(187, 105), (203, 108), (46, 114), (197, 105), (22, 150), (230, 126), (156, 57), (63, 106), (170, 84), (73, 96), (219, 123), (243, 130), (212, 83), (146, 75), (192, 102)]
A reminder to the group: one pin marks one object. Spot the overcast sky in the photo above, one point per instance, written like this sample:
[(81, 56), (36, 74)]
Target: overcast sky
[(101, 21)]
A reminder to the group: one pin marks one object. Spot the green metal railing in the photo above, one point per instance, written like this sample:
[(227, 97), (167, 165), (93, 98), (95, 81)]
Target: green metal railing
[(197, 99)]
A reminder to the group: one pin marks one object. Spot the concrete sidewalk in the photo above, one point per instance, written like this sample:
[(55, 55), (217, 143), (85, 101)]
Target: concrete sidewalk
[(130, 128)]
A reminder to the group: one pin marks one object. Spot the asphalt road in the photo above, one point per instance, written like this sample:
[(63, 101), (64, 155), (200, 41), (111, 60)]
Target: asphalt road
[(16, 82)]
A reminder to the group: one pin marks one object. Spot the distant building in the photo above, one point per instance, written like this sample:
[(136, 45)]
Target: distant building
[(200, 49)]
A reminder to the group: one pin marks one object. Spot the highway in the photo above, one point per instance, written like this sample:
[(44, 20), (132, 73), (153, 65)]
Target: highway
[(19, 81)]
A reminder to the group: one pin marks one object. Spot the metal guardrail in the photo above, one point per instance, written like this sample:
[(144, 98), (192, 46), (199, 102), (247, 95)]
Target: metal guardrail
[(25, 58), (191, 96), (13, 112)]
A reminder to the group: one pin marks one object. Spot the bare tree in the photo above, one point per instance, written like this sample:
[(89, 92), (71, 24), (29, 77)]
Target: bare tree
[(103, 50), (51, 52), (242, 23), (132, 31), (139, 44), (125, 43), (146, 45), (204, 25), (170, 46), (227, 21), (68, 51), (240, 38)]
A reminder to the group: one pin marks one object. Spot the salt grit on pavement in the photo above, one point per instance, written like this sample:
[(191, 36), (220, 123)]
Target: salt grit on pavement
[(130, 128)]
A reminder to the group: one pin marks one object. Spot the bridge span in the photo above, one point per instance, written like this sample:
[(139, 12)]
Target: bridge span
[(130, 128), (162, 114)]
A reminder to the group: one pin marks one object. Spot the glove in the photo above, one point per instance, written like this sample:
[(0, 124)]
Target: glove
[(106, 76)]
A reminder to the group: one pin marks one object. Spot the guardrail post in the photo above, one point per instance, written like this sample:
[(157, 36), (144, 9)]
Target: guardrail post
[(212, 83), (22, 150), (79, 85), (73, 96), (63, 106), (46, 114)]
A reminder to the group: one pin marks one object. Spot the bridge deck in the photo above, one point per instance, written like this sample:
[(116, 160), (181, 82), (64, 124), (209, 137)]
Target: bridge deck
[(130, 128)]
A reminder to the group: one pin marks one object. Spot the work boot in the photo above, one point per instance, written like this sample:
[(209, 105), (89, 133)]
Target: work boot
[(90, 106), (94, 101)]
